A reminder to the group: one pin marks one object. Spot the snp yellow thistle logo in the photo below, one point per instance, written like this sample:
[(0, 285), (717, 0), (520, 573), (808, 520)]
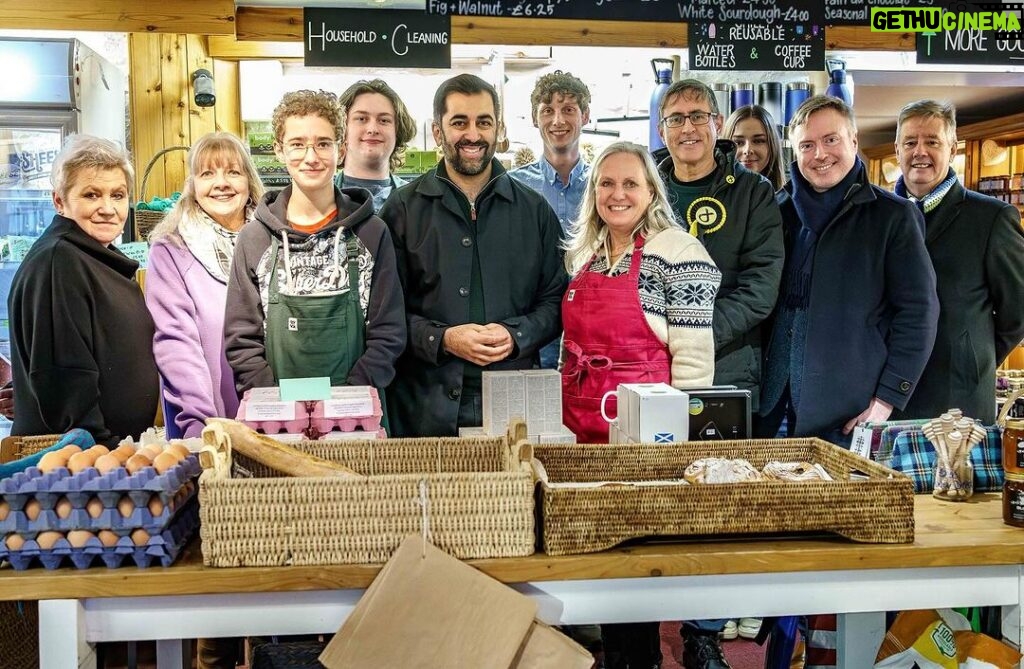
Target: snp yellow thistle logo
[(998, 18)]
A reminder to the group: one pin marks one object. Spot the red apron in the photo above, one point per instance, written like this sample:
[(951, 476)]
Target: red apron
[(607, 342)]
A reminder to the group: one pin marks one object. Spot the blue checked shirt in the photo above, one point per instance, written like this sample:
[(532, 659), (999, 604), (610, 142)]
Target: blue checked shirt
[(564, 199)]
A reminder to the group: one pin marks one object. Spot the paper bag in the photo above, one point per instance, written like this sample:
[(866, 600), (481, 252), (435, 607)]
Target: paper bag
[(428, 610), (546, 648)]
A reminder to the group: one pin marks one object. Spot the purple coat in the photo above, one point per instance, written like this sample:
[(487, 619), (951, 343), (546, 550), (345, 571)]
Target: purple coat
[(187, 304)]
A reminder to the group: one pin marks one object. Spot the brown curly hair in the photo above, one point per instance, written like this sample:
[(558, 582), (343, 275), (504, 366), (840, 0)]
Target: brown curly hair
[(308, 103), (559, 82)]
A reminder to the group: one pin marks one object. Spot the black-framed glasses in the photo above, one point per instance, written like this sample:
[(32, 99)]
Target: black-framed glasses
[(696, 118)]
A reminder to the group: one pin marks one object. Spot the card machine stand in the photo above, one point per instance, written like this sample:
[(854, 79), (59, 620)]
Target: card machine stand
[(720, 412)]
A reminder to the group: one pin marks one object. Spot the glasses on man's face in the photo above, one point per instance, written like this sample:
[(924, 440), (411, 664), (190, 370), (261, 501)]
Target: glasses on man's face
[(323, 148), (696, 118)]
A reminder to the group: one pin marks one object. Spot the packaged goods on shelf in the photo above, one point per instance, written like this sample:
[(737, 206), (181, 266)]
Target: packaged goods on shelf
[(653, 412), (350, 409)]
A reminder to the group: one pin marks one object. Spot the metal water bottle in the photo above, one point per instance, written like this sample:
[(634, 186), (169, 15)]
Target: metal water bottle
[(837, 87), (662, 80)]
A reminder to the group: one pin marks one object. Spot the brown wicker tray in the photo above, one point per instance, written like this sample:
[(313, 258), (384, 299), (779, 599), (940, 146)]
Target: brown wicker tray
[(877, 507), (480, 504)]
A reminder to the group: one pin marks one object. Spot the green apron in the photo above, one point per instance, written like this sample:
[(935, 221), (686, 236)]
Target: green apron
[(315, 335)]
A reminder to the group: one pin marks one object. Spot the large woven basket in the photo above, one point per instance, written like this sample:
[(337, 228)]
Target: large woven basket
[(479, 496), (866, 502)]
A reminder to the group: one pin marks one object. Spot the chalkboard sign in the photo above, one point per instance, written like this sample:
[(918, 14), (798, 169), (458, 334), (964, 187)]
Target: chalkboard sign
[(611, 10), (858, 12), (969, 47), (376, 38), (766, 35)]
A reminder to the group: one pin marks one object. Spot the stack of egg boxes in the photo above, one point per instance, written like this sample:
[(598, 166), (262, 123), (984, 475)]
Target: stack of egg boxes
[(351, 412), (144, 518)]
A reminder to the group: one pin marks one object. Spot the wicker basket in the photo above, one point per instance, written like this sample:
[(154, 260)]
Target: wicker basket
[(479, 492), (146, 220), (866, 501), (18, 447)]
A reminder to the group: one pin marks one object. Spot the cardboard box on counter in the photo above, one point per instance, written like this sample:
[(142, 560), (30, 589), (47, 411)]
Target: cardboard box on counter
[(428, 610), (653, 413)]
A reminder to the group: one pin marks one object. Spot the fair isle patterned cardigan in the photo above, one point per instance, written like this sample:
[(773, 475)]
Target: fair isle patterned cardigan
[(678, 282)]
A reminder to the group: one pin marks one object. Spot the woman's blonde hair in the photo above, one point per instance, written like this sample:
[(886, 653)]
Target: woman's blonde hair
[(82, 152), (213, 147), (589, 232)]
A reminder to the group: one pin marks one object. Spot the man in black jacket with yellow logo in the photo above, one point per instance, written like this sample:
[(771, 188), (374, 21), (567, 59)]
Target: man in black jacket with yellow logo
[(732, 211), (479, 262), (977, 248)]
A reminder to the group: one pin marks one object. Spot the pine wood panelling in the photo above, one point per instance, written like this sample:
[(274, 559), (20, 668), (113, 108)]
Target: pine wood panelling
[(228, 110), (202, 17), (145, 81)]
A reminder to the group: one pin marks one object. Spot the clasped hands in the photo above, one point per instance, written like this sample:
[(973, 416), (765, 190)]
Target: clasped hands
[(479, 344)]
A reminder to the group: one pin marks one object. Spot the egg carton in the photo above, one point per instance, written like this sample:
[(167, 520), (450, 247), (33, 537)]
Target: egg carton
[(47, 489), (298, 424), (161, 549), (110, 518)]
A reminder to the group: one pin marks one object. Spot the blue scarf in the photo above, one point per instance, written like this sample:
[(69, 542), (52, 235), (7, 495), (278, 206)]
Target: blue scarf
[(816, 211)]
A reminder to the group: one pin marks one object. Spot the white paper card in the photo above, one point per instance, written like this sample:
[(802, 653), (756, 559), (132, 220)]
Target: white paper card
[(269, 410)]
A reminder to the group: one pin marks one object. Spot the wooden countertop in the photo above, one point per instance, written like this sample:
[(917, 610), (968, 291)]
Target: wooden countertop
[(947, 535)]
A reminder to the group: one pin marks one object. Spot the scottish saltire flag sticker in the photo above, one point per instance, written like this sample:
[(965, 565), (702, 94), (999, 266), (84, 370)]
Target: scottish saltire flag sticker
[(663, 437)]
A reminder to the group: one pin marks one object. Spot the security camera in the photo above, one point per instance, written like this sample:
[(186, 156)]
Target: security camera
[(202, 85)]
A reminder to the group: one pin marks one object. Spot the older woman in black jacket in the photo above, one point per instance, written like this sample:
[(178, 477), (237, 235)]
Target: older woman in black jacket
[(81, 336)]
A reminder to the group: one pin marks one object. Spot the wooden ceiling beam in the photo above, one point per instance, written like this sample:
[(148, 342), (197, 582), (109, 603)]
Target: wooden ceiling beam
[(208, 17)]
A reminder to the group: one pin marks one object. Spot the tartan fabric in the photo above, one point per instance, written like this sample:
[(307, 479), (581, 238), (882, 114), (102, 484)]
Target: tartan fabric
[(889, 431), (915, 456)]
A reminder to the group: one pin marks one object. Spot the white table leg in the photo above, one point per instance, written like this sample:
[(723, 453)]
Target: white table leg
[(858, 636), (1012, 620), (173, 653), (62, 641)]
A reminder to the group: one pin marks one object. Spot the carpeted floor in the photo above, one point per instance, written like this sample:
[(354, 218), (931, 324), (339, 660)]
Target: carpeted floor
[(740, 653)]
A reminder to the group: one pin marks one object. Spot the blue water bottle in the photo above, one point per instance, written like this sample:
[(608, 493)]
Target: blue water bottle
[(662, 80), (837, 87)]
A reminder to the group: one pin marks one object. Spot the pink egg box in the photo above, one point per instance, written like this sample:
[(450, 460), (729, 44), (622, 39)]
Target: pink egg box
[(298, 424)]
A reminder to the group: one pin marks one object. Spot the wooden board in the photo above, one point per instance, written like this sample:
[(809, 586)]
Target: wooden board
[(948, 535), (209, 17)]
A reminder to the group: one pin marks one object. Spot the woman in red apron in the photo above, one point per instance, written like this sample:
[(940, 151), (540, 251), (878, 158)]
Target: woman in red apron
[(640, 303), (638, 310)]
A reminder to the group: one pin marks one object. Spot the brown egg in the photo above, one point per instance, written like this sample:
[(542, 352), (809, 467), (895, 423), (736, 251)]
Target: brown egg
[(156, 507), (52, 460), (126, 506), (107, 463), (98, 450), (94, 507), (46, 540), (70, 450), (5, 510), (179, 448), (164, 461), (32, 509), (80, 462), (63, 507), (78, 538), (107, 538), (137, 462), (123, 452), (14, 542), (140, 537), (152, 450)]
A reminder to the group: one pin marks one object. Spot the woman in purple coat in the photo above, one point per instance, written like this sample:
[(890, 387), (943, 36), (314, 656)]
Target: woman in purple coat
[(186, 283)]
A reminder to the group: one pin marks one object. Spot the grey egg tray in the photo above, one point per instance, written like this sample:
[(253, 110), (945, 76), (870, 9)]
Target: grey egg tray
[(18, 490), (160, 550)]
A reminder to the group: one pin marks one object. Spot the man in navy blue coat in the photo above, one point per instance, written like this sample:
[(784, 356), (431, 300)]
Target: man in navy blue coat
[(857, 310)]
